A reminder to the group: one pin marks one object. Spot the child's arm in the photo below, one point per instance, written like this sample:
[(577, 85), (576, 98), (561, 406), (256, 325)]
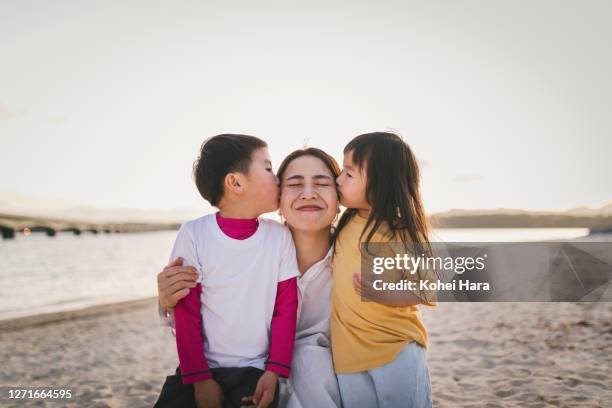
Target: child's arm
[(190, 347), (188, 315), (189, 338), (282, 328)]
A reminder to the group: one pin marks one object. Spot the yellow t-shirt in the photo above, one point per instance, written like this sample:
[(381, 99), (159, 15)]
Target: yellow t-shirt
[(365, 334)]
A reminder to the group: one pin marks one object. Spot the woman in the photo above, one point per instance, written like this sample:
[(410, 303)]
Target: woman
[(309, 204)]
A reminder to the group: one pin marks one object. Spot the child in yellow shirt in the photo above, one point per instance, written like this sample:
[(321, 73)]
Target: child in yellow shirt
[(378, 347)]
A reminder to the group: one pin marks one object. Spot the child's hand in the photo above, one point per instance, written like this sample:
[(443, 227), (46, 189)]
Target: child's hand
[(264, 392), (208, 394)]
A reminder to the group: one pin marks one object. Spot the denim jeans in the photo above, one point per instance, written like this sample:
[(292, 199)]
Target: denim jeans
[(404, 382)]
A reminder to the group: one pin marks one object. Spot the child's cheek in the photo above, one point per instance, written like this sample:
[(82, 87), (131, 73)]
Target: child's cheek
[(274, 190), (341, 194), (343, 201)]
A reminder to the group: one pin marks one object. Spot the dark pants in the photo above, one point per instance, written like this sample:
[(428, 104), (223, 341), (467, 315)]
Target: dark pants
[(236, 383)]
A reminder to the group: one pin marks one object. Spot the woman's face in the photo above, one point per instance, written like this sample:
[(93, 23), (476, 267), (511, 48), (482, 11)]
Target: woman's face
[(309, 199)]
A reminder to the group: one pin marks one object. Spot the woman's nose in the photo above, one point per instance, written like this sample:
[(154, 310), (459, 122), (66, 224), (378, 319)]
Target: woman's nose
[(308, 192)]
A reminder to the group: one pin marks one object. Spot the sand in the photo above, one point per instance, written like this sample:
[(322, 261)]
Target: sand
[(481, 355), (521, 354)]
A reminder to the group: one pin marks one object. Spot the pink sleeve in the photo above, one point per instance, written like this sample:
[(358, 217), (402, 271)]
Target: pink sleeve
[(283, 328), (190, 338)]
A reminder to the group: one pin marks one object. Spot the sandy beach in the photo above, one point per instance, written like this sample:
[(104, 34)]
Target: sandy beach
[(493, 355), (521, 354)]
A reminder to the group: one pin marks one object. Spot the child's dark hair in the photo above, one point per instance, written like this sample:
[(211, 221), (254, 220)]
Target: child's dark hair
[(392, 189), (220, 155)]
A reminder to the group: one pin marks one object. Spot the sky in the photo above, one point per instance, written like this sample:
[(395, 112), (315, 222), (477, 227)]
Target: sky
[(505, 103)]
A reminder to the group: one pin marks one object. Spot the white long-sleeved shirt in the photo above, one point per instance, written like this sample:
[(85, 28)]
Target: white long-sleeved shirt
[(239, 280)]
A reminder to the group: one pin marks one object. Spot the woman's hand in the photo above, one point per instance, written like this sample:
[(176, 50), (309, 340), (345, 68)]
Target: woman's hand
[(174, 282)]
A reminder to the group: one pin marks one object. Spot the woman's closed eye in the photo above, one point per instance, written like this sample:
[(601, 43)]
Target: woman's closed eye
[(302, 185)]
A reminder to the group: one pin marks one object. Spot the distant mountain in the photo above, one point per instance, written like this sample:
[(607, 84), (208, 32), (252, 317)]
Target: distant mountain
[(582, 217), (20, 204), (604, 210), (579, 211)]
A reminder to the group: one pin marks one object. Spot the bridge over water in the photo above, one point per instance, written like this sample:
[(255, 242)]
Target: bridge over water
[(13, 224)]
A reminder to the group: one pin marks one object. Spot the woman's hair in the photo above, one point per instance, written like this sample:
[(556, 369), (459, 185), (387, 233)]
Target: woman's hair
[(220, 155), (329, 161), (392, 189)]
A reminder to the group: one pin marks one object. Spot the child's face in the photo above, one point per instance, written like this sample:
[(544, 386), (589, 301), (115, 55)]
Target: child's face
[(352, 184), (261, 188)]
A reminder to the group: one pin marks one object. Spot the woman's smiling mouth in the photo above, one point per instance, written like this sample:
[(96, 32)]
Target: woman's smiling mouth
[(309, 207)]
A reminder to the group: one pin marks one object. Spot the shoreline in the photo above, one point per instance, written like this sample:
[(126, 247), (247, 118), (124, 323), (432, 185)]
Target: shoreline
[(43, 319)]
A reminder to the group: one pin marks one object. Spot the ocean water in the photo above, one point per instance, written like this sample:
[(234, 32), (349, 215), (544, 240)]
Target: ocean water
[(40, 274)]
